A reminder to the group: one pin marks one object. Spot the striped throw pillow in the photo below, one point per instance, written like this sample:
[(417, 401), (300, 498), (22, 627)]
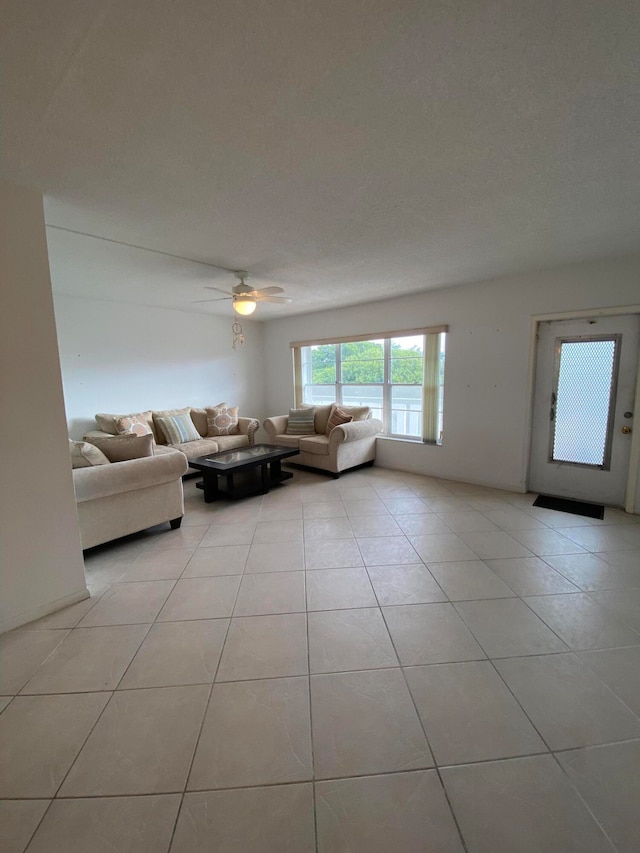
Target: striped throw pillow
[(301, 422), (336, 418), (178, 428)]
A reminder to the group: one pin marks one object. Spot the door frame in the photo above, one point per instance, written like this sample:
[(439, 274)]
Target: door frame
[(633, 477)]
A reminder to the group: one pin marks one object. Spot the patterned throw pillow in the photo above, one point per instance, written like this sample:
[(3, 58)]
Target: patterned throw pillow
[(133, 425), (222, 420), (199, 417), (301, 422), (336, 418), (107, 423), (178, 429)]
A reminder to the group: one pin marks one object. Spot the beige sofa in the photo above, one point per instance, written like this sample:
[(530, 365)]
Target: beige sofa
[(191, 449), (119, 498), (349, 445)]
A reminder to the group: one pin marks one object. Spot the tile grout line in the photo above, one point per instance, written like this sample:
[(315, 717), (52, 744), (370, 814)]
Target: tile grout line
[(313, 759), (614, 847), (421, 724), (199, 734), (197, 547), (446, 795)]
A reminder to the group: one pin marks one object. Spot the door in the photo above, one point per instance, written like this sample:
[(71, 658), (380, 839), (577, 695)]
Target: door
[(583, 408)]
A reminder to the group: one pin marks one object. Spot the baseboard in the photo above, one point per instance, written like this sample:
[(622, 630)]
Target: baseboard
[(43, 610), (499, 485)]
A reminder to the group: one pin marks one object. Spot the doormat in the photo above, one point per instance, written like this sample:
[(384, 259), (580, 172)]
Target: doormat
[(566, 505)]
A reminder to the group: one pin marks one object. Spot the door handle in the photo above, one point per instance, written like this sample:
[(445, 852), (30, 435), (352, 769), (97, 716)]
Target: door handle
[(626, 430)]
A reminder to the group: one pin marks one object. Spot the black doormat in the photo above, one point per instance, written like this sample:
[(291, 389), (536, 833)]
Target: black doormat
[(565, 505)]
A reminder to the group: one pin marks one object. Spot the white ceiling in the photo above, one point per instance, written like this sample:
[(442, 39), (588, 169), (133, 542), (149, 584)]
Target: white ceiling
[(345, 149)]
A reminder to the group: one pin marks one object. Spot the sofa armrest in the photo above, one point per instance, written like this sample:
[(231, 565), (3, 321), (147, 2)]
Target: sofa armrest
[(249, 427), (277, 425), (101, 481), (354, 431)]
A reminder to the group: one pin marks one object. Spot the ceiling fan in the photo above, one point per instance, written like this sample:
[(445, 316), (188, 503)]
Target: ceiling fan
[(244, 297)]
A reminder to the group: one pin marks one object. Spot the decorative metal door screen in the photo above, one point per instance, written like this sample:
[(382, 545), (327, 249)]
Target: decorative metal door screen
[(583, 400)]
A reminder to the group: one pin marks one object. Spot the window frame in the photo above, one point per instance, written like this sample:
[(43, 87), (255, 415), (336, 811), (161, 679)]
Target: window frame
[(430, 433)]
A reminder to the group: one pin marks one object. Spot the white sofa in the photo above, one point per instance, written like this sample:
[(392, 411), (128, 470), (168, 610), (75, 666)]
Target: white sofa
[(349, 445), (191, 449), (119, 498)]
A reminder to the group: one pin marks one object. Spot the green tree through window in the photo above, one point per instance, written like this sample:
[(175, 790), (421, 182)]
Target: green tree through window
[(386, 373), (363, 362)]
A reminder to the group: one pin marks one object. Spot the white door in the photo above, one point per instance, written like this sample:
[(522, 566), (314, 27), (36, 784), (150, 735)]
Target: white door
[(583, 408)]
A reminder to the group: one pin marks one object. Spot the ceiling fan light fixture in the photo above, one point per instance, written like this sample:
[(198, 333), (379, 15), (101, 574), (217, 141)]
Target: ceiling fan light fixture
[(244, 306)]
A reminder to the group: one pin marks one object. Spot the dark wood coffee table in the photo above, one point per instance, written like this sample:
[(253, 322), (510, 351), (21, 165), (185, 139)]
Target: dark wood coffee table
[(238, 471)]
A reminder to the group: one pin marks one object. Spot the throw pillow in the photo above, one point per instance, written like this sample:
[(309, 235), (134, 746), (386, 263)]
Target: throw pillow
[(178, 429), (199, 417), (85, 455), (322, 416), (122, 448), (133, 425), (107, 423), (336, 418), (358, 413), (166, 413), (222, 420), (301, 422)]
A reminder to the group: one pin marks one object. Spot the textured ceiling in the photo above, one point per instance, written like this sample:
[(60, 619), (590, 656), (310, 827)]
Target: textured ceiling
[(346, 149)]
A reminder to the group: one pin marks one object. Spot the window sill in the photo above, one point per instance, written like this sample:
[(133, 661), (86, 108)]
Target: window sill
[(417, 441)]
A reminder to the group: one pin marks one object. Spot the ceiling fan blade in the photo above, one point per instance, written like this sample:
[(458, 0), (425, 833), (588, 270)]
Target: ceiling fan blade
[(281, 299), (217, 289), (218, 299), (268, 291)]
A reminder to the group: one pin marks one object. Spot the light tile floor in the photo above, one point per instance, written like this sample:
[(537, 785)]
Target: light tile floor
[(382, 662)]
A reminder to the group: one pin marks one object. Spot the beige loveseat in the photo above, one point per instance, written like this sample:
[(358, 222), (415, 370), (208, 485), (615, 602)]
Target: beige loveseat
[(119, 498), (201, 447), (347, 446)]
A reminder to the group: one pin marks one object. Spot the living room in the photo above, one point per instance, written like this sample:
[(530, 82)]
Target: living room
[(488, 195)]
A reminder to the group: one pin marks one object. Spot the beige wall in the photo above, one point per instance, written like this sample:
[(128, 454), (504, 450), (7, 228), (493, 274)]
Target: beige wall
[(488, 373), (117, 357), (41, 565)]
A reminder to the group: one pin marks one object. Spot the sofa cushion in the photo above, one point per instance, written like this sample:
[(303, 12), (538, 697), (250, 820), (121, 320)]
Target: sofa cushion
[(199, 417), (283, 440), (178, 429), (107, 423), (133, 425), (318, 444), (336, 418), (301, 422), (201, 447), (85, 455), (322, 416), (222, 420), (207, 446), (121, 448), (358, 413), (231, 442)]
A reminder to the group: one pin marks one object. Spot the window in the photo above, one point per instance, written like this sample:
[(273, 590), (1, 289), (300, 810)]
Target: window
[(399, 376)]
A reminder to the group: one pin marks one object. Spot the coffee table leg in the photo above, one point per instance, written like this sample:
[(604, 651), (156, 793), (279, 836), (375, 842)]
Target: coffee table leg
[(276, 471), (210, 483)]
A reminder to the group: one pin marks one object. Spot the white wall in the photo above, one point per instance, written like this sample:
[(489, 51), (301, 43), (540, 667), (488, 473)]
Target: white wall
[(488, 361), (121, 358), (41, 566)]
